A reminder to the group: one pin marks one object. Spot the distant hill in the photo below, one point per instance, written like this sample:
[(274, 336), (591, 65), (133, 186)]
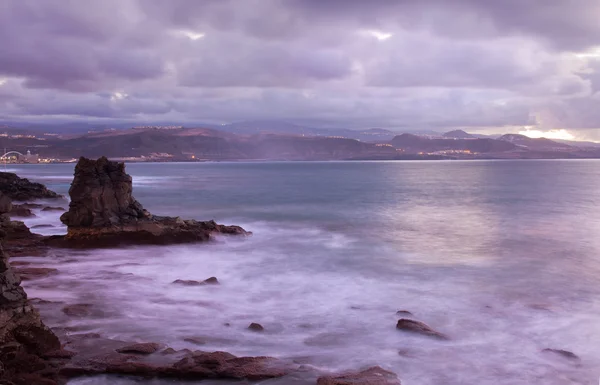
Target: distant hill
[(416, 143), (534, 143), (458, 134)]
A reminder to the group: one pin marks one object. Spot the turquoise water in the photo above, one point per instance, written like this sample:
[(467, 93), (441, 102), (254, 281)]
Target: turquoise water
[(503, 256)]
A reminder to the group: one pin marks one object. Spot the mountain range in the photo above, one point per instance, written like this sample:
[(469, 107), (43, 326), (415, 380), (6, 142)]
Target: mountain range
[(280, 141)]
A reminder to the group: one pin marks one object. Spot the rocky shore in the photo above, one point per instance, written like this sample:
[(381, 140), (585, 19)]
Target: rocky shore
[(103, 212)]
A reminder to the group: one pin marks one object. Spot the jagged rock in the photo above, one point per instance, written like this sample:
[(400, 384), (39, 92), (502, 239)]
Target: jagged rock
[(142, 348), (412, 326), (24, 339), (103, 212), (256, 327), (372, 376), (21, 189)]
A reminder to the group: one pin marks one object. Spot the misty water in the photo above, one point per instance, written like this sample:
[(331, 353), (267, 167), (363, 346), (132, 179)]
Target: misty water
[(502, 256)]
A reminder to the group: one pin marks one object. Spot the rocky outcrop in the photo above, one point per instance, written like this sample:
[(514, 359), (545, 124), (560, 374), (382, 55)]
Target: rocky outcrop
[(24, 339), (103, 212), (182, 364), (21, 189), (372, 376)]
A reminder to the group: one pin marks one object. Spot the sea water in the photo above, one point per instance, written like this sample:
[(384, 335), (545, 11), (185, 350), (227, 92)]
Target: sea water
[(502, 256)]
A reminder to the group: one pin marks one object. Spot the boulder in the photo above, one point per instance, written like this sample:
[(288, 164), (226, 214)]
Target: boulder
[(24, 339), (103, 212), (417, 327), (255, 327), (21, 189), (372, 376)]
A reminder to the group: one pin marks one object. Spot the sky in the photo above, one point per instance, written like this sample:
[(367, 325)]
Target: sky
[(483, 66)]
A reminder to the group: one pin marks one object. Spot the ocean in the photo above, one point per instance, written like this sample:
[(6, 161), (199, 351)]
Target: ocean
[(502, 256)]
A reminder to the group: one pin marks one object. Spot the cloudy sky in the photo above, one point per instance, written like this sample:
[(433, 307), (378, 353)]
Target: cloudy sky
[(430, 64)]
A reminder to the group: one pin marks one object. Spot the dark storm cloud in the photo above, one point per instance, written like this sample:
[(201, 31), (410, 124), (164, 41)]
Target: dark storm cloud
[(351, 63)]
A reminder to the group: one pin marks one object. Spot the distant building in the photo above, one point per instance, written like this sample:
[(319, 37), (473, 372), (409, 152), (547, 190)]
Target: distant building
[(30, 158)]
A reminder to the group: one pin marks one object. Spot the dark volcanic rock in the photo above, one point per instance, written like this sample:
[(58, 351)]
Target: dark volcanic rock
[(142, 348), (24, 339), (103, 212), (21, 189), (21, 211), (256, 327), (371, 376), (419, 328)]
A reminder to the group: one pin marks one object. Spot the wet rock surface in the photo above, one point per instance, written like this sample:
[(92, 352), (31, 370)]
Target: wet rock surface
[(24, 339), (417, 327), (372, 376), (170, 363), (103, 212), (21, 189)]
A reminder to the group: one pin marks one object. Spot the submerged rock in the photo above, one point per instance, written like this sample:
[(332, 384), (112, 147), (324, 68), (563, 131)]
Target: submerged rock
[(21, 189), (21, 211), (78, 310), (28, 273), (142, 348), (182, 364), (24, 339), (372, 376), (103, 212), (404, 313), (51, 208), (563, 353), (417, 327)]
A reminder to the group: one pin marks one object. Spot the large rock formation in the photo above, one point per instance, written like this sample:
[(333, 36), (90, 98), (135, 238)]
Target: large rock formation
[(103, 212), (24, 339), (21, 189)]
